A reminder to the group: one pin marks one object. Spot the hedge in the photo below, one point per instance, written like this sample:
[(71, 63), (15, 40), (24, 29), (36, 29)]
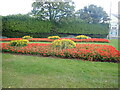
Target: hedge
[(26, 24), (21, 25), (84, 28)]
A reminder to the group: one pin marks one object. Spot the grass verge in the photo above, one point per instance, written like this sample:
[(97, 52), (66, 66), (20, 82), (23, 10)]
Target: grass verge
[(21, 71)]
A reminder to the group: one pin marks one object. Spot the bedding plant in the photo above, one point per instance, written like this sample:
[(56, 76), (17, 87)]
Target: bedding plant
[(27, 37), (63, 44), (81, 37), (50, 40), (53, 37), (21, 42), (92, 52)]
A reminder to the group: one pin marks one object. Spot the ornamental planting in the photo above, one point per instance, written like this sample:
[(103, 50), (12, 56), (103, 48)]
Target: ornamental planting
[(91, 52)]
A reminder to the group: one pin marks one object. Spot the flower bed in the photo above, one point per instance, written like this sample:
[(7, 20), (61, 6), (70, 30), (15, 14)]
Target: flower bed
[(9, 39), (92, 52), (91, 40), (31, 40), (50, 40)]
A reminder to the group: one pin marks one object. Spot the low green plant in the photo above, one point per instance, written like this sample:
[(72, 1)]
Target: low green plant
[(22, 42), (64, 44)]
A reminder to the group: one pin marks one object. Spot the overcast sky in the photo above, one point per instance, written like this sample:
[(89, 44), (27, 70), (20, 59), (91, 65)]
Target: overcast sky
[(24, 6)]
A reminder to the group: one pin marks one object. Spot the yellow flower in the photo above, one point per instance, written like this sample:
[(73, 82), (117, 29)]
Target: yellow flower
[(53, 37), (64, 43), (22, 42), (81, 37), (26, 37)]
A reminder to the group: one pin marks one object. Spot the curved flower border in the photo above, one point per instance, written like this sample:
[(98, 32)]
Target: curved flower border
[(91, 52)]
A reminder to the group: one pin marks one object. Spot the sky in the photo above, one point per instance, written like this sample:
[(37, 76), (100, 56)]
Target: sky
[(8, 7)]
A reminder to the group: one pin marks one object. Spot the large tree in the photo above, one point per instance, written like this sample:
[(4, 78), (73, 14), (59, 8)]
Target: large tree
[(52, 11), (93, 14)]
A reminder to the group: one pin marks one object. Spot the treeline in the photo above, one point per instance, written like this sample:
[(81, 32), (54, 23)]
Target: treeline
[(20, 25)]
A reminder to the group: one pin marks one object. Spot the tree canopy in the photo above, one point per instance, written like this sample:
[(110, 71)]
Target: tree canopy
[(93, 14), (52, 11)]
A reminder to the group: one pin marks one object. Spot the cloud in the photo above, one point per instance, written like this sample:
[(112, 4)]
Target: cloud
[(24, 6), (15, 6)]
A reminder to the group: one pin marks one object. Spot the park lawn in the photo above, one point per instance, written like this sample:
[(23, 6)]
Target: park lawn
[(24, 71), (0, 70)]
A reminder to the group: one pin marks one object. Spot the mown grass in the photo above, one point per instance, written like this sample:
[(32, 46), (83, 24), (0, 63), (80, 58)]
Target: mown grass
[(21, 71), (0, 70)]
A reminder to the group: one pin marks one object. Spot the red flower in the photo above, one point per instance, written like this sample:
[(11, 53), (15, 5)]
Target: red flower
[(82, 51)]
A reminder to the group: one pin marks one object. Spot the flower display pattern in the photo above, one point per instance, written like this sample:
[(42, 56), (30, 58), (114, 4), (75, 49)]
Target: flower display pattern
[(91, 52)]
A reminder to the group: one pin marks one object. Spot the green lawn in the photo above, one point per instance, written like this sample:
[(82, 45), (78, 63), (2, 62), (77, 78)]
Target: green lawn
[(0, 70), (21, 71)]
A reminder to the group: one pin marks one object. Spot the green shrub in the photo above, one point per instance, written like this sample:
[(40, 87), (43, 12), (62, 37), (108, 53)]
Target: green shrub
[(22, 42), (53, 37), (26, 37), (64, 44)]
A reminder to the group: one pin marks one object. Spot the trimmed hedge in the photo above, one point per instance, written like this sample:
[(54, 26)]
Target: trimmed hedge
[(26, 24), (21, 25), (17, 34), (84, 28)]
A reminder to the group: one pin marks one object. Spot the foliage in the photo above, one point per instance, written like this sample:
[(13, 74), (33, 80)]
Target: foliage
[(63, 44), (93, 14), (53, 37), (81, 37), (27, 37), (24, 23), (52, 11), (76, 27), (22, 42)]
